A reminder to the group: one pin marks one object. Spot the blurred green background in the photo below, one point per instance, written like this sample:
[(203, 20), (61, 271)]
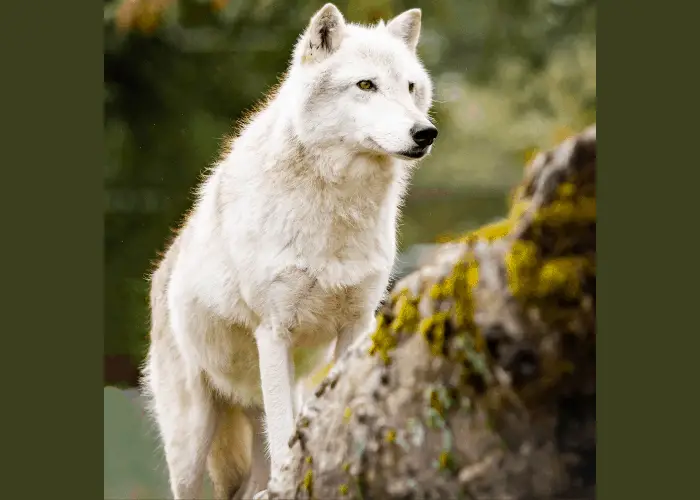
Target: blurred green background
[(511, 77)]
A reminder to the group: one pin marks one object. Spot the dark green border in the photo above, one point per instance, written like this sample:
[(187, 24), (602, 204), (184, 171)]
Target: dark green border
[(647, 318), (52, 263)]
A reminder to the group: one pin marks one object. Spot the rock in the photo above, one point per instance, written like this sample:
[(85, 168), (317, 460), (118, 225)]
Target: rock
[(480, 379)]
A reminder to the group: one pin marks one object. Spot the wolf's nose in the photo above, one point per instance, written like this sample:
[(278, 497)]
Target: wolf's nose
[(424, 136)]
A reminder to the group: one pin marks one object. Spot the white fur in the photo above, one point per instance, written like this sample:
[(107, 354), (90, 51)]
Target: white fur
[(290, 243)]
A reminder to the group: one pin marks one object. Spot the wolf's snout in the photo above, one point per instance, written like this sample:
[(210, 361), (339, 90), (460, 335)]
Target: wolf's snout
[(424, 136)]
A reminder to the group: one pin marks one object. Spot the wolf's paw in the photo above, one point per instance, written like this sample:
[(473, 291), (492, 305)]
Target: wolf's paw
[(260, 495)]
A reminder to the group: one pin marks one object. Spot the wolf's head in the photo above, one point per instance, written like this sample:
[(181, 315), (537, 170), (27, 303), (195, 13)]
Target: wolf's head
[(362, 88)]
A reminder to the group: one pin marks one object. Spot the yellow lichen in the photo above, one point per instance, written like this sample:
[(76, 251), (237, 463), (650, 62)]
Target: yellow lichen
[(560, 276), (322, 373), (473, 276), (383, 340), (456, 288), (530, 154), (529, 275), (445, 460), (518, 209), (490, 232), (346, 467), (436, 404), (521, 262), (547, 267), (566, 190), (309, 460), (433, 329), (407, 314), (347, 414), (577, 211), (308, 482), (343, 489), (385, 337), (467, 275), (390, 436), (553, 258)]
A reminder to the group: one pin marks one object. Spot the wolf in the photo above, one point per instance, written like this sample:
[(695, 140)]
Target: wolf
[(288, 248)]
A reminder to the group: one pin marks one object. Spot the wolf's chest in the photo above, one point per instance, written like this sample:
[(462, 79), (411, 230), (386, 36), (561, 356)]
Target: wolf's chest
[(344, 259), (322, 312)]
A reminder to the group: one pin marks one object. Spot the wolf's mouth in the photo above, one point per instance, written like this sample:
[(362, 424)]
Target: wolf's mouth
[(414, 154)]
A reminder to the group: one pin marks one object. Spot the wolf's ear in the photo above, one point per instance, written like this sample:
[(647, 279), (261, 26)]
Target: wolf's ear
[(324, 33), (406, 26)]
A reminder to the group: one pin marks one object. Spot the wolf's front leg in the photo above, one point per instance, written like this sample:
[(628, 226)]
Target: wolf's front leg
[(277, 379), (370, 294), (349, 334)]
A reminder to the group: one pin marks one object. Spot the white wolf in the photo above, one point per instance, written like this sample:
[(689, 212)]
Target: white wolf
[(289, 246)]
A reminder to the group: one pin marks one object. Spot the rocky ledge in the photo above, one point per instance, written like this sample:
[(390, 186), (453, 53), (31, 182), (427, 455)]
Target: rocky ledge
[(479, 382)]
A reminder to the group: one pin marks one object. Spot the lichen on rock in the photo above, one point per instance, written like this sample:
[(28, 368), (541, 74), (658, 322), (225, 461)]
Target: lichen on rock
[(479, 381)]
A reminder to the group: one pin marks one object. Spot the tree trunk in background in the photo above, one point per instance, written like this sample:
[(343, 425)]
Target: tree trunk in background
[(480, 379)]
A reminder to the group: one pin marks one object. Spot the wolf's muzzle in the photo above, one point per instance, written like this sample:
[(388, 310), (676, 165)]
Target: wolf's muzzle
[(423, 136)]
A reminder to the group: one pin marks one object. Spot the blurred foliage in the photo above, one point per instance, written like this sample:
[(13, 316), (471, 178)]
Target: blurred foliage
[(511, 76)]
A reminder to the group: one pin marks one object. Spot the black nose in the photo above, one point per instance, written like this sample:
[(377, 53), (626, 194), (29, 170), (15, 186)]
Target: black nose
[(424, 136)]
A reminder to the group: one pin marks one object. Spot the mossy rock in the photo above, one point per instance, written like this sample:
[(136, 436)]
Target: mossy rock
[(480, 379)]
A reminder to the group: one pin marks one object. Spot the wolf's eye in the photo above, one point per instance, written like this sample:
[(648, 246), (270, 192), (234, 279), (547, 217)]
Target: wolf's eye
[(411, 85), (366, 85)]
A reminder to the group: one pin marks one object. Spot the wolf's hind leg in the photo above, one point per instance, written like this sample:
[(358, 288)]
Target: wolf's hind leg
[(259, 474), (229, 458)]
